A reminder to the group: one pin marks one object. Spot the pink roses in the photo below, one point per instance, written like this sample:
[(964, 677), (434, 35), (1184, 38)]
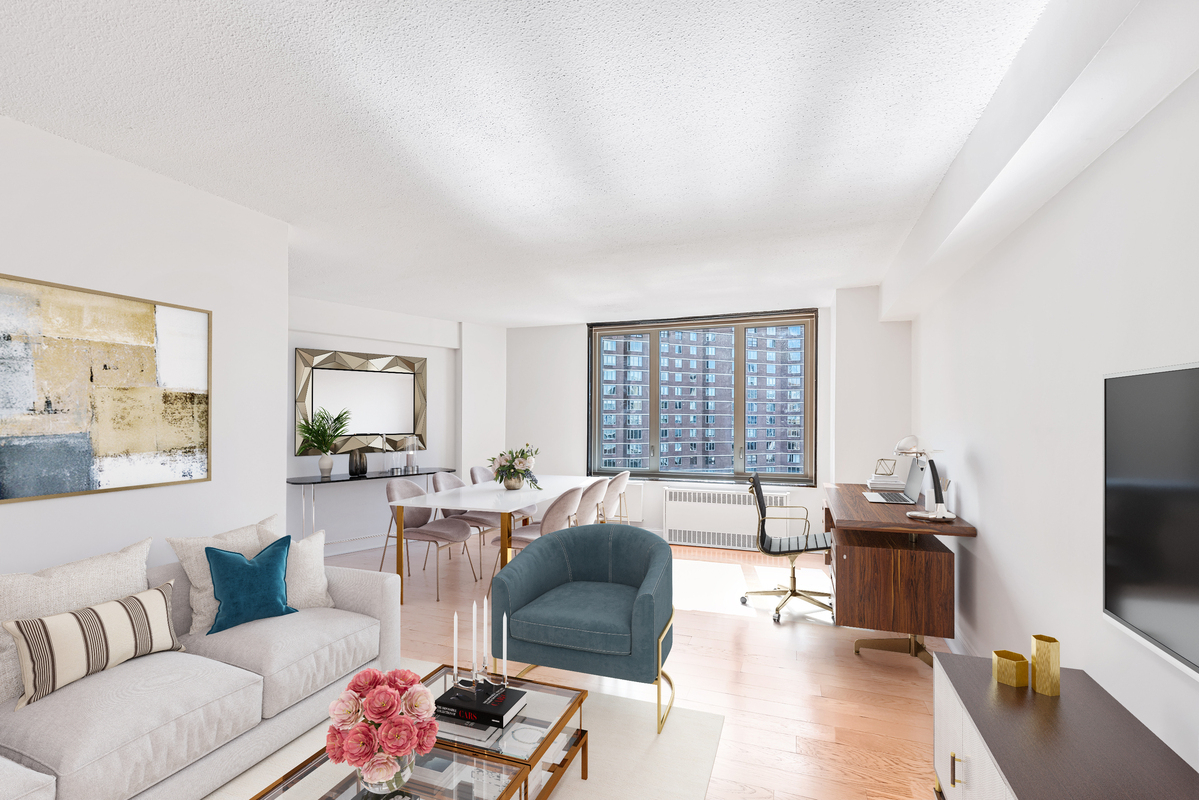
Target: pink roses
[(379, 719), (397, 736), (359, 744), (381, 704)]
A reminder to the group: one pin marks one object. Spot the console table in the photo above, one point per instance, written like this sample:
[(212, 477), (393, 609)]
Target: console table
[(889, 571), (996, 741), (310, 482)]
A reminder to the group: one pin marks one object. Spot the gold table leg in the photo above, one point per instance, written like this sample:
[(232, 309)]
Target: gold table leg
[(399, 512), (913, 645), (505, 538)]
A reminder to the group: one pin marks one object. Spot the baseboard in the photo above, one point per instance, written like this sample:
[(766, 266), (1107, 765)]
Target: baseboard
[(960, 647)]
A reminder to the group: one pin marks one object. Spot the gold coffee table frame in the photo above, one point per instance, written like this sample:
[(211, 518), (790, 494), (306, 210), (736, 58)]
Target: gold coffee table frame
[(557, 770)]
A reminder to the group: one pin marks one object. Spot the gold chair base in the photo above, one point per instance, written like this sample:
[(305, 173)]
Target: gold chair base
[(662, 717), (662, 674), (913, 645), (787, 593)]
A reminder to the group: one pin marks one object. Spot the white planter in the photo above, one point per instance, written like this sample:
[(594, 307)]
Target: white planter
[(326, 465)]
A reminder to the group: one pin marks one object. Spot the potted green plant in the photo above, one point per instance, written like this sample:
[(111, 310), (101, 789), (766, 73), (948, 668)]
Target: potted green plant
[(321, 434)]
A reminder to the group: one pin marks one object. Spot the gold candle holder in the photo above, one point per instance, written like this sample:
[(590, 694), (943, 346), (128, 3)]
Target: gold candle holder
[(1046, 665), (1009, 668)]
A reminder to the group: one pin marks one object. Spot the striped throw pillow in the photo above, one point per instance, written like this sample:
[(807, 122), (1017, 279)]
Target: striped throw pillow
[(63, 648)]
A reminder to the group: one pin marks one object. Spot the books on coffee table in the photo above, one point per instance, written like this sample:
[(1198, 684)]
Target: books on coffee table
[(492, 705), (476, 732)]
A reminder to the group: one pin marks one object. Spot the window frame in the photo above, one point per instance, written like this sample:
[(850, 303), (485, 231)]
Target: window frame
[(651, 329)]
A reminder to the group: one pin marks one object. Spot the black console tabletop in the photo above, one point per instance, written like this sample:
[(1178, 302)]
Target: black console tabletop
[(305, 480)]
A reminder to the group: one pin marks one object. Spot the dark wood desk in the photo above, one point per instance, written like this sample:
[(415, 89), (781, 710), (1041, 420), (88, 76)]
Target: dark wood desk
[(890, 572)]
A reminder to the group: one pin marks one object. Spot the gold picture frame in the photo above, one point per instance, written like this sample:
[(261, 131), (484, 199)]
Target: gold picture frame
[(100, 392), (308, 360)]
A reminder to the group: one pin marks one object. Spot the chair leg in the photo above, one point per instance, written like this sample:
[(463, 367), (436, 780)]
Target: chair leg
[(386, 539), (494, 569), (472, 564), (408, 556), (437, 568), (428, 545)]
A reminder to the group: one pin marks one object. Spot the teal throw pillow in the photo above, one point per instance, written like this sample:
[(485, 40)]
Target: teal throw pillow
[(249, 588)]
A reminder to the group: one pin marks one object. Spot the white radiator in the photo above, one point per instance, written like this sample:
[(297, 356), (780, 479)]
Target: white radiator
[(725, 518)]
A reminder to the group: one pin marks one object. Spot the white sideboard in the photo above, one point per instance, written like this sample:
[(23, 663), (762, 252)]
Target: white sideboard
[(997, 742)]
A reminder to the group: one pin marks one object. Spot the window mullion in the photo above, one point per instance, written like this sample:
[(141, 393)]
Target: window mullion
[(655, 401), (739, 399)]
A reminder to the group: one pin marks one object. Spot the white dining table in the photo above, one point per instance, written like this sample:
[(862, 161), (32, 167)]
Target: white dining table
[(490, 496)]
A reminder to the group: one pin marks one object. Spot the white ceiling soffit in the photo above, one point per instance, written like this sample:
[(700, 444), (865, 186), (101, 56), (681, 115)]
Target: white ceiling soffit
[(1090, 70), (536, 161)]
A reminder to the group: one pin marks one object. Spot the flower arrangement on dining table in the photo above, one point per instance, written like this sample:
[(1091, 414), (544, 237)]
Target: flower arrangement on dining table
[(380, 719), (516, 465)]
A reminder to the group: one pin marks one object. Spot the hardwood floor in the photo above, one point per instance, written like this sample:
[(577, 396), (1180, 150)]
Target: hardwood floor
[(805, 719)]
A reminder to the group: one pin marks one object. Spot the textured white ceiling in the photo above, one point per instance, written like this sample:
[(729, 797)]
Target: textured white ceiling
[(530, 162)]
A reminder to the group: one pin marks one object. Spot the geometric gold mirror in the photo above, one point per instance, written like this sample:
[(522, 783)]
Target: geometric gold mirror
[(385, 395)]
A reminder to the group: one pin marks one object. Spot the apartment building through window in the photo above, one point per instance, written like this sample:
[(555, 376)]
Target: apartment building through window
[(757, 393)]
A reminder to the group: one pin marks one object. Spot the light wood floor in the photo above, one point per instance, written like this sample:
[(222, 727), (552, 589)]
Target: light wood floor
[(804, 717)]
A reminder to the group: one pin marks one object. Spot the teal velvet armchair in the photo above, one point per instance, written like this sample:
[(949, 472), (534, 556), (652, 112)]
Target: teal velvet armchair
[(595, 599)]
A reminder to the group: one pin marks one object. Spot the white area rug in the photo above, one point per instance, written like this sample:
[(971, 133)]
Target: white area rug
[(626, 757)]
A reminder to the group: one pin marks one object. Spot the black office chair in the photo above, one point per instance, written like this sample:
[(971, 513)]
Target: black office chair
[(789, 547)]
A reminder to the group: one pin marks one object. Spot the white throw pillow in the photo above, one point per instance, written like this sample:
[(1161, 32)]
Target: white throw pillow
[(307, 586), (195, 563), (65, 588)]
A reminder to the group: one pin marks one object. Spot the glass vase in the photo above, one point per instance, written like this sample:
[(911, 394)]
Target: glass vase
[(402, 776)]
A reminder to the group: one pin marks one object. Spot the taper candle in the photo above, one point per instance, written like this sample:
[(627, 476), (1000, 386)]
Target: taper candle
[(486, 646), (505, 646), (474, 639), (455, 648)]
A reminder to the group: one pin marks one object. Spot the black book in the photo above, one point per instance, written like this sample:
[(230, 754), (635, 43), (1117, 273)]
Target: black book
[(493, 705)]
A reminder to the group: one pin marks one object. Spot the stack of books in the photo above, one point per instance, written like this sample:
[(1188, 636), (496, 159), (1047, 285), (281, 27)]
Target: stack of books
[(895, 482), (478, 717), (886, 483)]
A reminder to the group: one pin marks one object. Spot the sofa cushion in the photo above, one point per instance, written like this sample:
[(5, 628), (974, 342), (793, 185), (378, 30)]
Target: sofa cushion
[(195, 563), (579, 615), (115, 733), (307, 586), (65, 588), (22, 783), (62, 648), (247, 589), (296, 654)]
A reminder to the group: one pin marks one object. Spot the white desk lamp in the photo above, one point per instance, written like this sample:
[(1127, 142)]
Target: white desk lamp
[(910, 446)]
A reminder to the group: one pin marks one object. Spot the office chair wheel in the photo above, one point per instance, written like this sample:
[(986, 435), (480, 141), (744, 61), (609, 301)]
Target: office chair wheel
[(744, 600), (777, 616)]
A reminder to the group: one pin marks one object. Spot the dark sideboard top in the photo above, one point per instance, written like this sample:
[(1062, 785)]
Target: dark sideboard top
[(1082, 745)]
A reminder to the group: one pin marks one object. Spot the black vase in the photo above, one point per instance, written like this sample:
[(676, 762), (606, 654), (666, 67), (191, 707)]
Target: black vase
[(357, 462)]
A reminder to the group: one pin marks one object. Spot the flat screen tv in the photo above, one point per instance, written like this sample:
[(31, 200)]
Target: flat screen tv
[(1151, 507)]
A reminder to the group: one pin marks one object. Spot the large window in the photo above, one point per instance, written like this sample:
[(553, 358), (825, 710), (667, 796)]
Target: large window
[(743, 387)]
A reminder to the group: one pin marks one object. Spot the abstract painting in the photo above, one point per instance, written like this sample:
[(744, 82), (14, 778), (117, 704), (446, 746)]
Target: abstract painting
[(99, 392)]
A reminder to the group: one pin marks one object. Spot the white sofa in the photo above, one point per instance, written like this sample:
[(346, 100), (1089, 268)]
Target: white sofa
[(176, 726)]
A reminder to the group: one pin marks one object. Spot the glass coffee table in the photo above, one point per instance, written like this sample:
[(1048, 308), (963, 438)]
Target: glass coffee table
[(543, 738), (446, 773)]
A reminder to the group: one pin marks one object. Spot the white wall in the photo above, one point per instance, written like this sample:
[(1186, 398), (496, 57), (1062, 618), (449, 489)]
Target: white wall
[(1008, 379), (872, 384), (355, 515), (482, 404), (72, 215), (547, 395)]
